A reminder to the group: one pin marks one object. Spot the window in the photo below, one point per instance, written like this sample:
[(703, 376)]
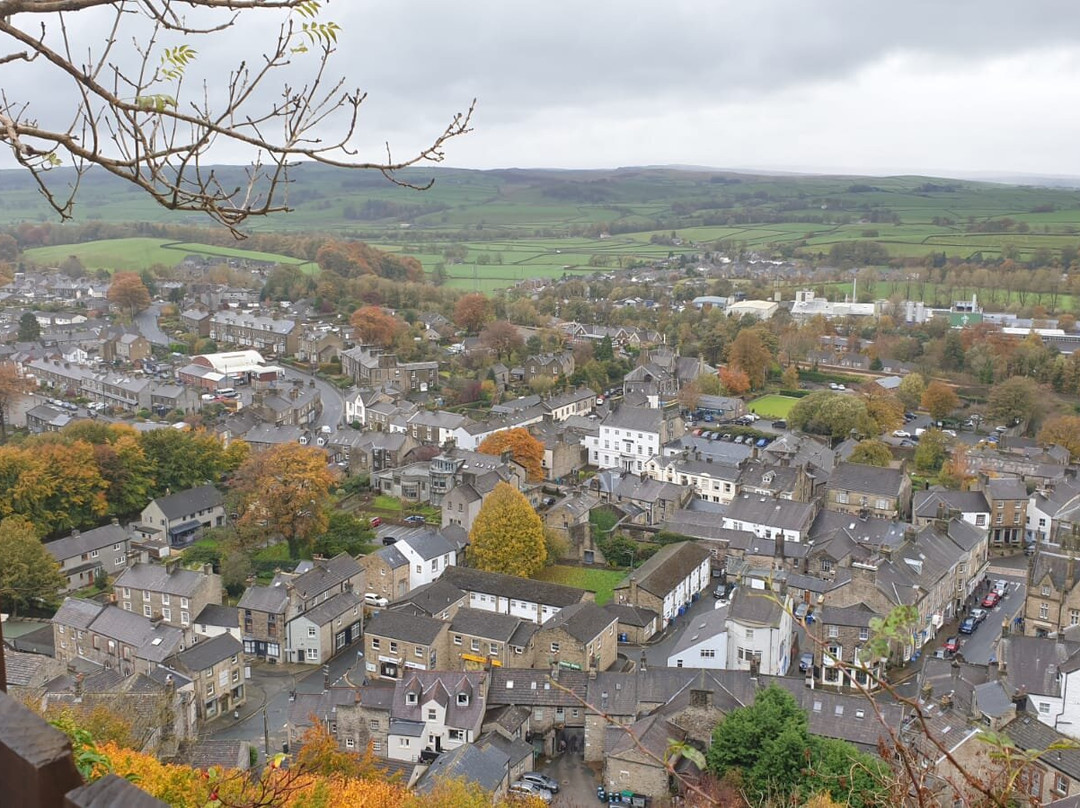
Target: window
[(457, 639), (708, 653), (882, 504), (463, 699), (235, 676), (146, 595), (1044, 707), (120, 559), (93, 553), (457, 735), (312, 632), (864, 634), (410, 698), (826, 565), (403, 741), (419, 568), (209, 688), (1044, 610), (374, 642), (146, 610), (748, 654), (349, 743), (834, 631), (475, 645), (393, 647), (127, 592), (419, 652), (164, 599), (1061, 785), (749, 634), (184, 603), (1045, 591), (185, 618), (127, 606), (432, 715), (376, 746), (166, 614), (554, 648), (1074, 617), (493, 648)]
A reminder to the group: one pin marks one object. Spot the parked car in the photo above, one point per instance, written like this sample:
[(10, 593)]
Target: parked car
[(978, 614), (527, 789), (991, 600), (952, 645), (1001, 587), (901, 433), (388, 540), (738, 438), (779, 424), (372, 599), (542, 780), (375, 521), (969, 625), (415, 519), (806, 662)]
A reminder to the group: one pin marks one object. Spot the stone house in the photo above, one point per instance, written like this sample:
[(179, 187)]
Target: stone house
[(630, 757), (569, 517), (629, 436), (386, 572), (439, 599), (369, 366), (556, 716), (647, 501), (318, 634), (581, 401), (112, 637), (196, 321), (127, 348), (167, 592), (396, 641), (549, 366), (480, 638), (939, 503), (711, 482), (216, 669), (314, 582), (44, 418), (635, 625), (580, 637), (84, 556), (367, 720), (1052, 601), (840, 634), (777, 480), (759, 627), (261, 614), (181, 517), (1008, 498), (857, 488), (769, 518), (378, 451), (273, 334)]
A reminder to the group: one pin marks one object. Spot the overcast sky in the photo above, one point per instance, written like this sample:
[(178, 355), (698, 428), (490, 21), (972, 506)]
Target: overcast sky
[(931, 86)]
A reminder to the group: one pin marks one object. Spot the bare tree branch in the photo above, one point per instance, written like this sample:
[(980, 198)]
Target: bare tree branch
[(133, 118)]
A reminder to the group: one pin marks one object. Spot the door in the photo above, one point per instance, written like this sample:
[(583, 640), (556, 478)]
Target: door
[(300, 655)]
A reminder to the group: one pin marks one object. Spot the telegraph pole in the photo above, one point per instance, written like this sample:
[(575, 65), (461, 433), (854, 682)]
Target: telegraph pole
[(266, 735)]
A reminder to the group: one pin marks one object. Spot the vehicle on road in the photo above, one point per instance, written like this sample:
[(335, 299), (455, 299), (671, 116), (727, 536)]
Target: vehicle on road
[(969, 625), (542, 780), (991, 600), (952, 645), (901, 433), (780, 424), (979, 614), (1001, 587), (806, 662)]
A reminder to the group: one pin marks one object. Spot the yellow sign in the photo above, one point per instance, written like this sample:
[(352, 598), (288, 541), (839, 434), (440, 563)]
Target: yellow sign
[(481, 660)]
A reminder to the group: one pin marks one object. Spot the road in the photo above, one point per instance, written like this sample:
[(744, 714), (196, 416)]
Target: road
[(270, 687), (979, 647), (656, 655), (147, 323)]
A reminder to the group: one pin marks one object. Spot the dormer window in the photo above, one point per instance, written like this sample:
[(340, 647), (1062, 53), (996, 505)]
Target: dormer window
[(410, 698), (463, 699)]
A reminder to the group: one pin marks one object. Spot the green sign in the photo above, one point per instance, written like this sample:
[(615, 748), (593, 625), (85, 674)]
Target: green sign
[(571, 665)]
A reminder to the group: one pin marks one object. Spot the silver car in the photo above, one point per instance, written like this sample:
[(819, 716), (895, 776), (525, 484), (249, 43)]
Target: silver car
[(542, 780), (527, 789)]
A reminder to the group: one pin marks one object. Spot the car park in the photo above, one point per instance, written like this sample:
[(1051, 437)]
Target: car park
[(542, 780), (991, 600)]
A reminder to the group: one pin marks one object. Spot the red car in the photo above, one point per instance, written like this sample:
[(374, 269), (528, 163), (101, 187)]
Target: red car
[(952, 645), (991, 600)]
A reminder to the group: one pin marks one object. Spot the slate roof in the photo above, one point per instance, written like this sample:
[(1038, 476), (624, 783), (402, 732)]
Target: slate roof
[(432, 599), (325, 575), (582, 621), (489, 625), (158, 578), (468, 579), (483, 768), (630, 615), (1005, 488), (443, 687), (530, 687), (77, 544), (193, 500), (637, 419), (1057, 567), (759, 509), (926, 502), (426, 543), (338, 605), (874, 480), (1033, 664), (77, 613), (755, 606), (667, 568), (219, 615), (206, 654), (1030, 734), (392, 556), (404, 627), (270, 599), (23, 669), (700, 628)]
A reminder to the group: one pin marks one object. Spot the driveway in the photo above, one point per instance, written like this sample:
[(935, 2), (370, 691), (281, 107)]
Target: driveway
[(577, 781)]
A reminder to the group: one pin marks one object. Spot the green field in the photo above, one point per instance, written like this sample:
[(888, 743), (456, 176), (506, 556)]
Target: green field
[(493, 229), (772, 406), (135, 254), (600, 581)]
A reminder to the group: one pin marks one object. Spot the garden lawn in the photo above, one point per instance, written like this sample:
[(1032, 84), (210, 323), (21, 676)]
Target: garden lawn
[(600, 581), (772, 406)]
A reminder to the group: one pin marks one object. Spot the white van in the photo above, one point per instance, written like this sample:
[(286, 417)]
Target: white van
[(226, 392)]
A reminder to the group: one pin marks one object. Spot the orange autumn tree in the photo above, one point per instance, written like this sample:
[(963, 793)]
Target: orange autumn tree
[(523, 448), (375, 326), (734, 381)]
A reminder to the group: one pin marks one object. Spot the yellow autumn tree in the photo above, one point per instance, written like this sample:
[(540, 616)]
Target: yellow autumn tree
[(508, 535), (523, 448)]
